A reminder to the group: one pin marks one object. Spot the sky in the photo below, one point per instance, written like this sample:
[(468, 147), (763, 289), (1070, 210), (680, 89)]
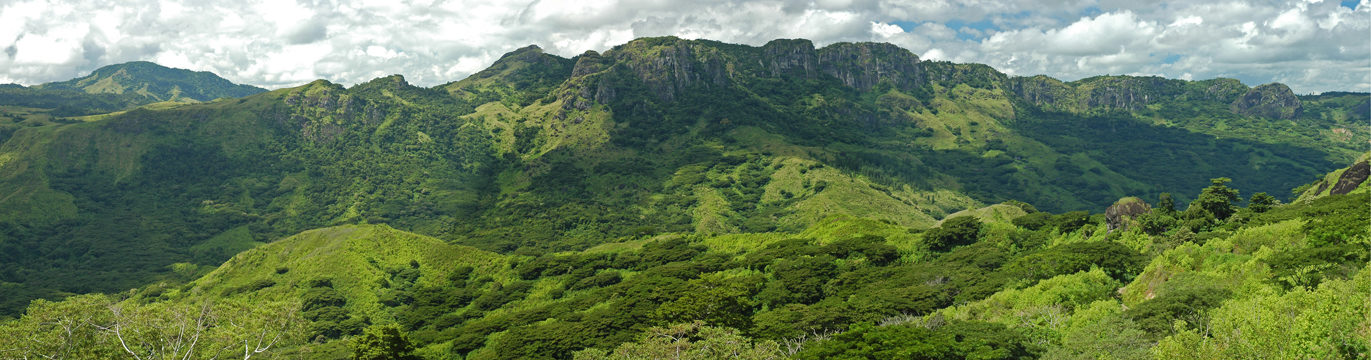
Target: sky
[(1311, 45)]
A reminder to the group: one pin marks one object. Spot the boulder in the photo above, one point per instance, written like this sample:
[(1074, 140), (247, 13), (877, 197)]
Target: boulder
[(1351, 179), (1124, 211)]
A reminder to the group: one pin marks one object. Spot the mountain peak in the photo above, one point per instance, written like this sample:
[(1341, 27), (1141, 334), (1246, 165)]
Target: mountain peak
[(528, 66), (523, 52)]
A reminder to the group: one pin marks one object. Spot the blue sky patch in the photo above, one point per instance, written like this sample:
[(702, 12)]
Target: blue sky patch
[(955, 25)]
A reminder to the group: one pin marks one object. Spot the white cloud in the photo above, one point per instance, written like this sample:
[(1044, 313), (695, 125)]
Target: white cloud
[(1187, 20), (58, 47), (1312, 45)]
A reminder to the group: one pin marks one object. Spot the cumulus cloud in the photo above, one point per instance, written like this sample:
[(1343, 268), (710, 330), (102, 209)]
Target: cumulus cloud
[(1312, 45)]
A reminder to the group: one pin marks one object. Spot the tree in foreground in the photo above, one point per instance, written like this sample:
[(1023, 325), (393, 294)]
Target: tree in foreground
[(1217, 199)]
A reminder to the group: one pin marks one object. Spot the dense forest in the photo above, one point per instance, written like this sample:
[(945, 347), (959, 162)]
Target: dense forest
[(684, 197)]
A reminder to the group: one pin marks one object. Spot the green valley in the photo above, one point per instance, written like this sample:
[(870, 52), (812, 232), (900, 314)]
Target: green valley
[(685, 197)]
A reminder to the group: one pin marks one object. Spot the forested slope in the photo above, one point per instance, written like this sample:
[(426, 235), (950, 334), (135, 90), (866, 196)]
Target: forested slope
[(1268, 279)]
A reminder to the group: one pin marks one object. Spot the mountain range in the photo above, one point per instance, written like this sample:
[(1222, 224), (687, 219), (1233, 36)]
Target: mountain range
[(664, 148)]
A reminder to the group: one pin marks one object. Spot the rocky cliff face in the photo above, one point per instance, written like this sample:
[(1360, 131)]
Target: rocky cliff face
[(1126, 93), (790, 58), (1045, 92), (1273, 100), (588, 63), (1132, 93), (1101, 93), (863, 65), (668, 66)]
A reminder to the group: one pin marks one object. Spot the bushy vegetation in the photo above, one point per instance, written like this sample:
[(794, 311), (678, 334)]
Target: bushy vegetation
[(1047, 285)]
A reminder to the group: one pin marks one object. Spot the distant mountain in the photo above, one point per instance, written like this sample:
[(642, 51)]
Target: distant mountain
[(155, 83), (107, 90), (659, 136)]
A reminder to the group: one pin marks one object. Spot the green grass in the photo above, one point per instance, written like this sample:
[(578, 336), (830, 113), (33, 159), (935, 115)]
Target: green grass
[(357, 258), (997, 213)]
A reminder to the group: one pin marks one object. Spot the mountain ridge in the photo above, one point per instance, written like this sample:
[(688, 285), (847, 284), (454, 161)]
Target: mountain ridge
[(155, 82)]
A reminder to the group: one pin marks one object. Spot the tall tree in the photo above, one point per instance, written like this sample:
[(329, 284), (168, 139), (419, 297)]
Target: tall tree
[(1261, 202), (1217, 199)]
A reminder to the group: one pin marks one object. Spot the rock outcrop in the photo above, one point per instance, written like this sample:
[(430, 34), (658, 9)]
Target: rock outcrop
[(863, 65), (1352, 178), (1274, 100), (788, 57), (1124, 211)]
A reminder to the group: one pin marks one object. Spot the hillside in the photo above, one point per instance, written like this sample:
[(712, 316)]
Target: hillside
[(1168, 284), (656, 137), (1348, 180)]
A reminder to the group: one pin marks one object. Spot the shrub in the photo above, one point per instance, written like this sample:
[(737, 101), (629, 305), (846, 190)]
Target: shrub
[(961, 230)]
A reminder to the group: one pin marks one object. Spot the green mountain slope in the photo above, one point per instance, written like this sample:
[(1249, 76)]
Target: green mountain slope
[(155, 83), (659, 136)]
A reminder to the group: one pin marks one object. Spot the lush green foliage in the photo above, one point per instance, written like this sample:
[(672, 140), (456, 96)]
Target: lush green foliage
[(1049, 289), (383, 343), (688, 341), (102, 327), (961, 230)]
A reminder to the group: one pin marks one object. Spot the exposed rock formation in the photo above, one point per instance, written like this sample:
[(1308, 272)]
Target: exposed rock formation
[(1352, 178), (1274, 100), (790, 58), (1124, 211), (589, 62), (863, 65), (668, 65)]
